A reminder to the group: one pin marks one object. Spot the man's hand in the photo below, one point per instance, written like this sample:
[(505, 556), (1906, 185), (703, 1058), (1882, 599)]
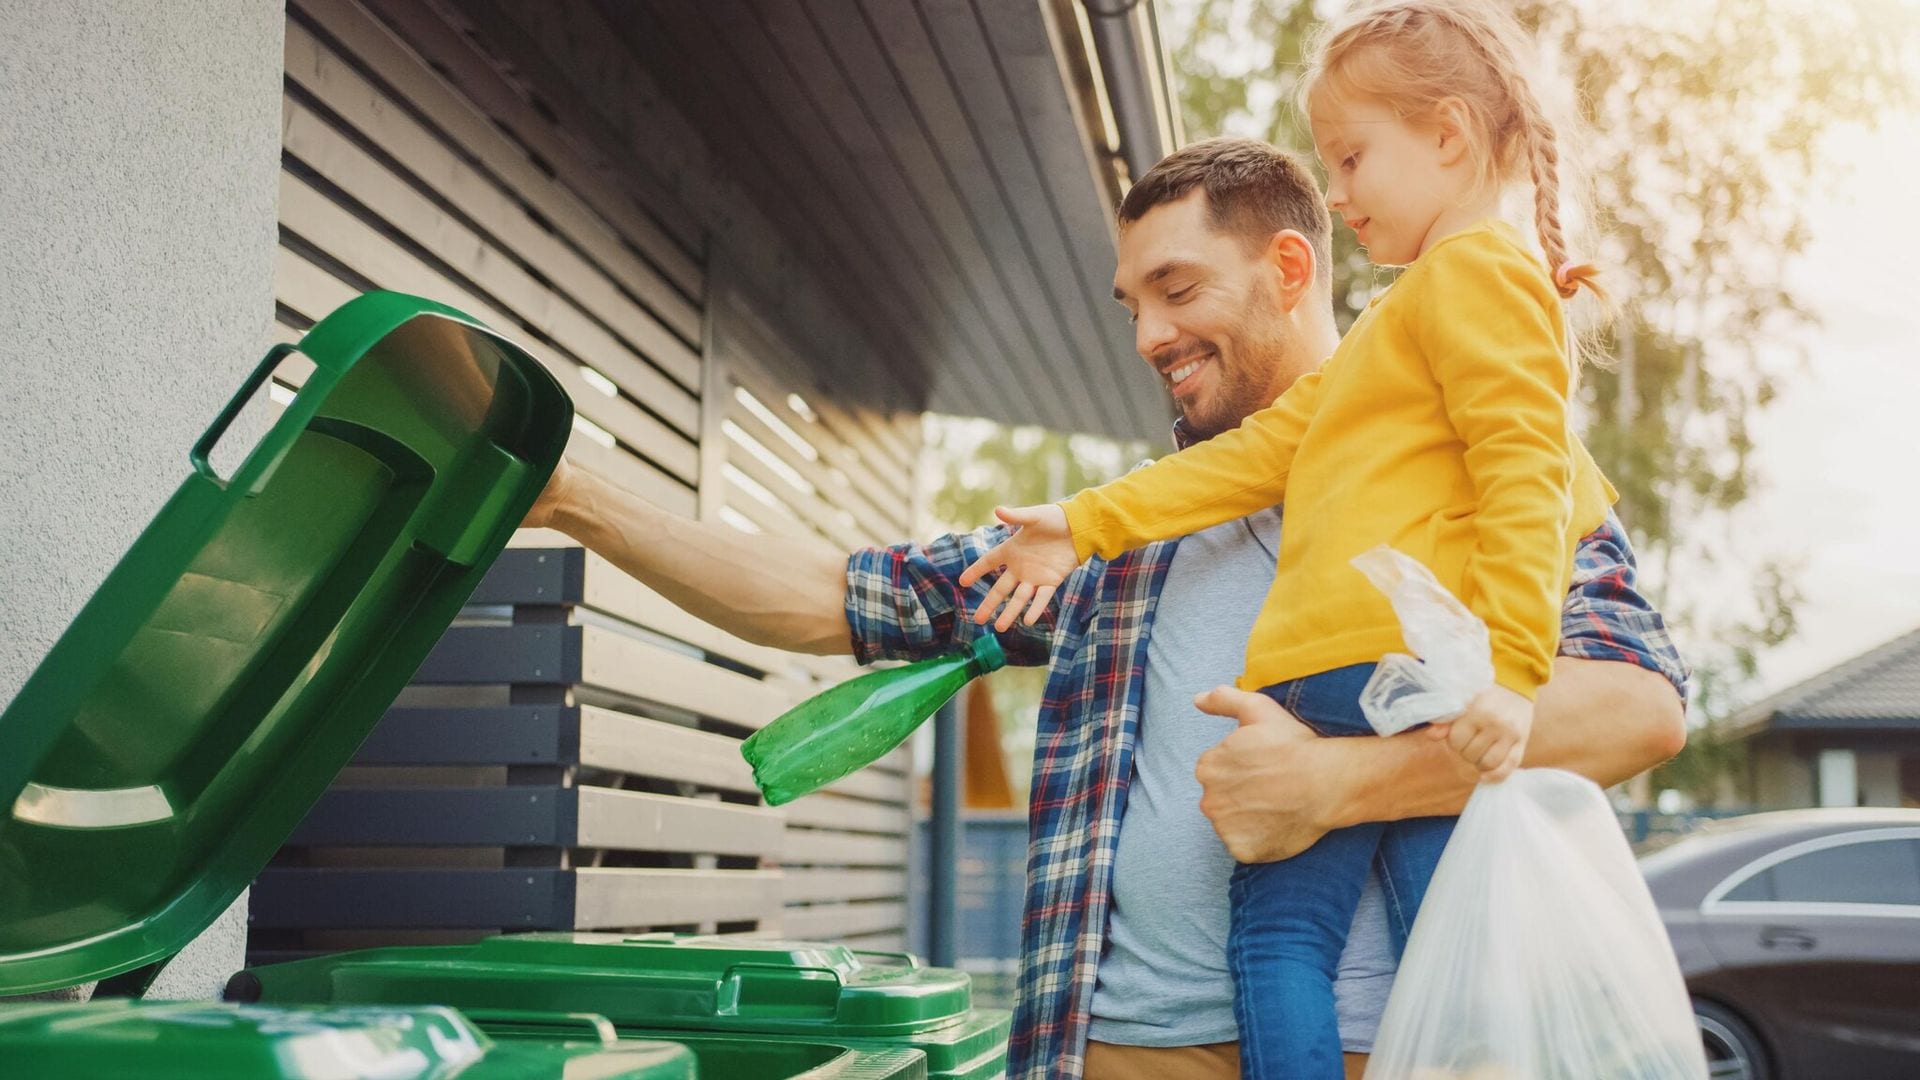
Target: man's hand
[(557, 492), (1264, 788), (1492, 734), (1273, 788), (1032, 563)]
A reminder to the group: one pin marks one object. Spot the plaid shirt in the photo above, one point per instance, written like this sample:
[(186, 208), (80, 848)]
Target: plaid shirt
[(903, 603)]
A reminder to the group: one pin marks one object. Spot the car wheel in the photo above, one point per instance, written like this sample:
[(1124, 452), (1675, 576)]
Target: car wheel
[(1734, 1052)]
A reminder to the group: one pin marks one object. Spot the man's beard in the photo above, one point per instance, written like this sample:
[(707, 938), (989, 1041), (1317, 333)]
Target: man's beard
[(1241, 392)]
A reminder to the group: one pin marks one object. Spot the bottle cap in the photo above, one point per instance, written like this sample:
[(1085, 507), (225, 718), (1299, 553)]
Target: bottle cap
[(986, 649)]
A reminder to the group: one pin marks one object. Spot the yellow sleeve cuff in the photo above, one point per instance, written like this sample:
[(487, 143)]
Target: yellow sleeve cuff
[(1080, 526), (1517, 675)]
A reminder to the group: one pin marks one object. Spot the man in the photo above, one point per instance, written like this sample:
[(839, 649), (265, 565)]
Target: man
[(1137, 814)]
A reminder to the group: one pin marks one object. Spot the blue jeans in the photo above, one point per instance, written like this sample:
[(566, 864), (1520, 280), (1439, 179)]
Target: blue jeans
[(1290, 918)]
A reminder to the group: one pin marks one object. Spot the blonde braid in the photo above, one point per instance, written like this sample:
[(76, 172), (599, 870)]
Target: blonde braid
[(1544, 166)]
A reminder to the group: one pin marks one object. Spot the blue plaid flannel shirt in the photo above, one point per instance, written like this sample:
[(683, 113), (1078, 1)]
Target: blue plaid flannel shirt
[(903, 603)]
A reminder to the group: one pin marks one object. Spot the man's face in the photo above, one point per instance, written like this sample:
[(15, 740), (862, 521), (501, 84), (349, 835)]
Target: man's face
[(1206, 315)]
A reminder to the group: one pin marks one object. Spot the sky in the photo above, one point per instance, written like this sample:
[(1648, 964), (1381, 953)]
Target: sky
[(1840, 448)]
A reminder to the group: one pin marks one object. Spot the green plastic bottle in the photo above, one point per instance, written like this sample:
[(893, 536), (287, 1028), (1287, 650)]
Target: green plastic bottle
[(845, 729)]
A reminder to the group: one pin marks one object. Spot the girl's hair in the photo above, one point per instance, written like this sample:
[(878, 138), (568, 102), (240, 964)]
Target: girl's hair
[(1414, 54)]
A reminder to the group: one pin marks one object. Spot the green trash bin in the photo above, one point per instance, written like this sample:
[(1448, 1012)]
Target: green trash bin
[(235, 657), (129, 1040), (227, 669), (724, 990)]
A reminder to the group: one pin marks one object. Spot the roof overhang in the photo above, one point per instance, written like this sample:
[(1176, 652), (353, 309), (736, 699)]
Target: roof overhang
[(950, 169)]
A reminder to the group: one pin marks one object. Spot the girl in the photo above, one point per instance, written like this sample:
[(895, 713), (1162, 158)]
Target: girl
[(1438, 427)]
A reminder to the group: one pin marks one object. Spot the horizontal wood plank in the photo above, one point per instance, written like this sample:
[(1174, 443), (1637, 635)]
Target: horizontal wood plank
[(808, 847), (402, 206), (306, 288), (820, 516), (876, 784), (831, 922), (637, 821), (367, 252), (595, 230), (621, 742), (830, 811), (581, 166), (815, 886), (747, 366), (610, 899), (646, 671)]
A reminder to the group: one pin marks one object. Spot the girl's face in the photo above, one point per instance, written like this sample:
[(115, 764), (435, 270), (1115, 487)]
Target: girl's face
[(1397, 185)]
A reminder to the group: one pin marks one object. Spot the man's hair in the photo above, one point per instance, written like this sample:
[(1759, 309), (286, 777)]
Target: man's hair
[(1253, 190)]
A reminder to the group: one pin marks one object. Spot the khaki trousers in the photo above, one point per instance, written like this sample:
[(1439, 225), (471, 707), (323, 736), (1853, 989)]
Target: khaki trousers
[(1213, 1061)]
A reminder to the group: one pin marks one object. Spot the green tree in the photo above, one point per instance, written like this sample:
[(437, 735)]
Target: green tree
[(1703, 133)]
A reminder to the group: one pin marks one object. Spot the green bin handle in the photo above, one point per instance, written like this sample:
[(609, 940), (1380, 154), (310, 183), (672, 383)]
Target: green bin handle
[(203, 448), (739, 977), (509, 1023), (905, 960)]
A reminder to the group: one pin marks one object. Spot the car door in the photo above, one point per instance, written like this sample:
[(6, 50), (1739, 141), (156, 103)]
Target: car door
[(1825, 935)]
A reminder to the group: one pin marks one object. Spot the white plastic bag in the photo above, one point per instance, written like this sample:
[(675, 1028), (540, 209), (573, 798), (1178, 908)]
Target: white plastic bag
[(1537, 953), (1455, 661)]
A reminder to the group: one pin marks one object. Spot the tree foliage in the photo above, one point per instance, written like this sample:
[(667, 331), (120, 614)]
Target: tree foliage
[(1699, 127)]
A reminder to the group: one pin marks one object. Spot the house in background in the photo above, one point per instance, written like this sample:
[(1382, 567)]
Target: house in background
[(755, 239), (1849, 736)]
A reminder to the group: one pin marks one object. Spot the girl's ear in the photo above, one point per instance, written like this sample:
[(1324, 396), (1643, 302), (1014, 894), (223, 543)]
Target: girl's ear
[(1451, 125)]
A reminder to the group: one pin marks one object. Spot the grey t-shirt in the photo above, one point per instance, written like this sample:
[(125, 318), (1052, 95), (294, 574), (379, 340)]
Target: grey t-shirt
[(1163, 978)]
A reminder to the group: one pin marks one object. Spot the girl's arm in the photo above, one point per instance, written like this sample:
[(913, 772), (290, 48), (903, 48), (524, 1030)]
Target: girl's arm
[(1489, 323), (1229, 476)]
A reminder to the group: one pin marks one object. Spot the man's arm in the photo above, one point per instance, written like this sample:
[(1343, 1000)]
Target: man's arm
[(784, 592), (1273, 787)]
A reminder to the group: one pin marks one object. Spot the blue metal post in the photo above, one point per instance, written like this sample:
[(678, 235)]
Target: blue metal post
[(943, 929)]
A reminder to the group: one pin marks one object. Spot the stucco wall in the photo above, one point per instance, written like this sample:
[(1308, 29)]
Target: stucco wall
[(138, 149)]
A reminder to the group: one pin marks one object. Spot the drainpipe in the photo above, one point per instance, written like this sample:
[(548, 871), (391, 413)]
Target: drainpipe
[(1126, 41), (943, 923)]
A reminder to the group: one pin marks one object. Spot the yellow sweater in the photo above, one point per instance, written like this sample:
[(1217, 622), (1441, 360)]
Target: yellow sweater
[(1439, 427)]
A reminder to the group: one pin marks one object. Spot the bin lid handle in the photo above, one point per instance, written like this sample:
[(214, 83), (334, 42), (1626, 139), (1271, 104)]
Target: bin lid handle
[(509, 1022)]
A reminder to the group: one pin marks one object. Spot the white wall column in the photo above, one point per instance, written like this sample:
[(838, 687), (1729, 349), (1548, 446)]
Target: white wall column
[(1839, 773), (139, 147)]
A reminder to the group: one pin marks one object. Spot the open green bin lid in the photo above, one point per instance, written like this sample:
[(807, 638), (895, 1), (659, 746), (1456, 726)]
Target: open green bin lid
[(143, 1040), (655, 983), (255, 633)]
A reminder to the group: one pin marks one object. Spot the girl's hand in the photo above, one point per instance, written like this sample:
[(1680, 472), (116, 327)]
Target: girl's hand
[(1034, 561), (1492, 734)]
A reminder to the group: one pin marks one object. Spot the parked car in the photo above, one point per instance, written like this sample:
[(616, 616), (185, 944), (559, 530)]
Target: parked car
[(1799, 936)]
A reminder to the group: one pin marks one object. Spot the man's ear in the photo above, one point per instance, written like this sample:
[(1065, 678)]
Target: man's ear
[(1451, 125), (1295, 266)]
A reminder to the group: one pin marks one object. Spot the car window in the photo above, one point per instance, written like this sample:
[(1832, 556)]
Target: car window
[(1873, 872)]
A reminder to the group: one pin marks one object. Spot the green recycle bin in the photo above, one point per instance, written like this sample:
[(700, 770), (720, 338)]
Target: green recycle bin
[(129, 1040), (227, 669), (240, 651), (731, 991)]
